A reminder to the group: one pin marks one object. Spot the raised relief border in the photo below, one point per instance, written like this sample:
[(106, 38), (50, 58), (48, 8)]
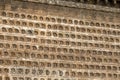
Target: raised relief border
[(103, 5)]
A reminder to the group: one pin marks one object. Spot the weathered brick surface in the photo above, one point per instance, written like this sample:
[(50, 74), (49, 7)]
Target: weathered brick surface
[(58, 40)]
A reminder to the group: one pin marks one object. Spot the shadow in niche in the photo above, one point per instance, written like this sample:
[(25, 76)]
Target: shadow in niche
[(118, 4), (93, 1), (111, 3), (102, 2)]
